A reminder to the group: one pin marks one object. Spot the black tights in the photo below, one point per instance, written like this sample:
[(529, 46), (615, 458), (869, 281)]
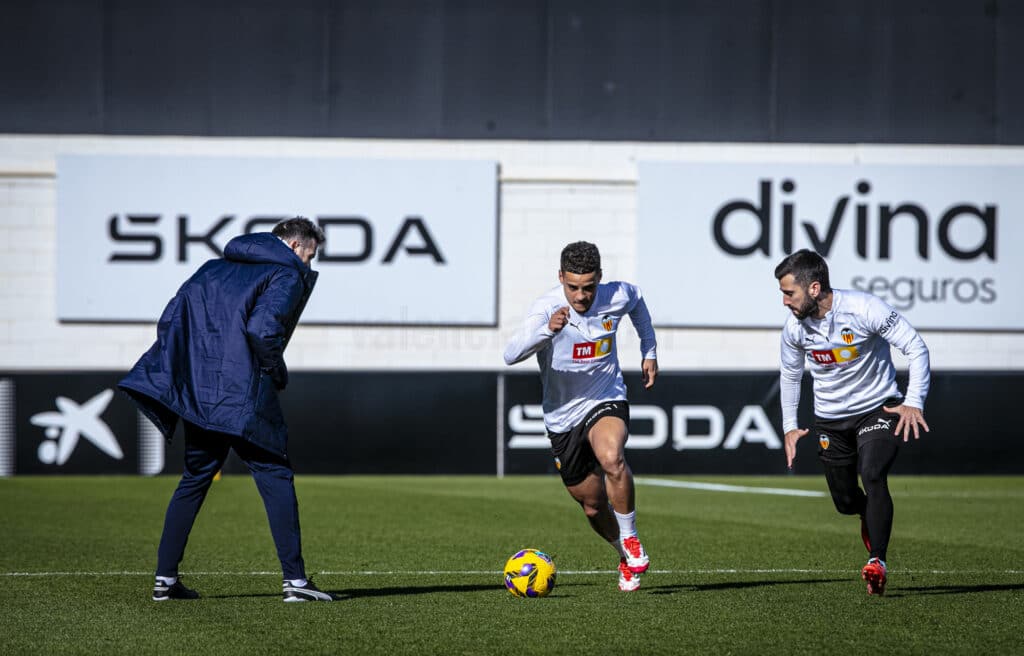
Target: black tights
[(874, 503)]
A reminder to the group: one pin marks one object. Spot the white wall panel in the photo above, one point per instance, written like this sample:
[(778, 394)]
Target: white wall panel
[(550, 194)]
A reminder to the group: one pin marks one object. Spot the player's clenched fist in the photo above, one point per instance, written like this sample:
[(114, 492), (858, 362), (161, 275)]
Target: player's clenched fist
[(559, 319)]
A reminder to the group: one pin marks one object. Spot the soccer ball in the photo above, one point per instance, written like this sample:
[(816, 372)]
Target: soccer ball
[(530, 573)]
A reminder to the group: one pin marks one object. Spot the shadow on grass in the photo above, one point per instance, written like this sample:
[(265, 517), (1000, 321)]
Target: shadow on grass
[(393, 591), (953, 589), (402, 590), (354, 593), (730, 585)]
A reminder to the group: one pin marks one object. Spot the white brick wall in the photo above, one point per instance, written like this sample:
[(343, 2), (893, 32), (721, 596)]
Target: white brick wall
[(551, 194)]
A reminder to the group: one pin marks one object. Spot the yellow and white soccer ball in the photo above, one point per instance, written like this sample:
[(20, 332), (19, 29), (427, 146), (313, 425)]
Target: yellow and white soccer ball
[(530, 573)]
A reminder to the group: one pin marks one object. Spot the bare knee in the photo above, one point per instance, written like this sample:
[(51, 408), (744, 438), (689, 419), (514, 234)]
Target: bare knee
[(608, 440), (613, 464), (591, 510), (591, 495)]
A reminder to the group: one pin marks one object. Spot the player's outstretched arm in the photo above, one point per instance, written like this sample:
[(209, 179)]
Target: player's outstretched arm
[(790, 442), (911, 419)]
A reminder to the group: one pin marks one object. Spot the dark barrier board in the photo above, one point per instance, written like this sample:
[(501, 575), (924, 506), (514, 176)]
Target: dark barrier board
[(73, 423), (731, 423), (694, 423), (392, 423), (448, 423), (339, 423)]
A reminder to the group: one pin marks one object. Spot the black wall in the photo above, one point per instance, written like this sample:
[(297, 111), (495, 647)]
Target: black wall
[(970, 434), (447, 423), (889, 71)]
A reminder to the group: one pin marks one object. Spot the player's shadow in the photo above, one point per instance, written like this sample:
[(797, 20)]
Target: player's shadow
[(903, 591), (394, 591), (403, 590), (431, 589), (729, 585), (353, 593)]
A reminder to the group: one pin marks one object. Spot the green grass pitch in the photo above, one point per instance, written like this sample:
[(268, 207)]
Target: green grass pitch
[(417, 561)]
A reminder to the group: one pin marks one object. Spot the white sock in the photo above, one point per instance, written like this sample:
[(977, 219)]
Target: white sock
[(627, 524), (298, 583), (167, 580)]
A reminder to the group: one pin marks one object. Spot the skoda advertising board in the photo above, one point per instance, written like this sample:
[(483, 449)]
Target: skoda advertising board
[(131, 229)]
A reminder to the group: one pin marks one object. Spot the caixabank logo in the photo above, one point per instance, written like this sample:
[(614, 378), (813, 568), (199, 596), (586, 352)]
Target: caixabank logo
[(929, 240), (74, 423)]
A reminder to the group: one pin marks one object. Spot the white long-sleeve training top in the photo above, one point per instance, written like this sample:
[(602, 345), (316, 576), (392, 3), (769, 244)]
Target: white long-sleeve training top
[(849, 358), (579, 365)]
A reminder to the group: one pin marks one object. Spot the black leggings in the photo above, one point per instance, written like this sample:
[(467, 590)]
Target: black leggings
[(874, 503)]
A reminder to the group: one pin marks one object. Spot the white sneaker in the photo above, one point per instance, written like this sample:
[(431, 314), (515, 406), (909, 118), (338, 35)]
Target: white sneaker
[(628, 581), (636, 557), (308, 592)]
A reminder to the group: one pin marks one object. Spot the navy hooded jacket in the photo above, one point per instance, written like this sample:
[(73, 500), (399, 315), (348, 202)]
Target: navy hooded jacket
[(218, 360)]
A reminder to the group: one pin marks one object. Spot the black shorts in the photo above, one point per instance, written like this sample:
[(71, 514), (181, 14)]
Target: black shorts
[(839, 439), (573, 456)]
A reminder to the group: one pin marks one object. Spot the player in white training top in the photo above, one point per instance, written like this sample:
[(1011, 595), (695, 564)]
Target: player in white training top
[(572, 330), (844, 337)]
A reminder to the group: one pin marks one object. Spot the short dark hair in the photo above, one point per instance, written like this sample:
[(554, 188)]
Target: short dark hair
[(581, 257), (806, 267), (300, 228)]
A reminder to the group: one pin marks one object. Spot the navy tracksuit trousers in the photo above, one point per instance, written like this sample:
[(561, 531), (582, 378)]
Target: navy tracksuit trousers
[(205, 453)]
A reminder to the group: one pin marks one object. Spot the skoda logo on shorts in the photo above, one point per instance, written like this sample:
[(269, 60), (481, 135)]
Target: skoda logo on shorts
[(823, 441)]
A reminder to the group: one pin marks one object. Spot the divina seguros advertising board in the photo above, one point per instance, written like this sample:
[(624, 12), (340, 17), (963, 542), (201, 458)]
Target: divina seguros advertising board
[(935, 242)]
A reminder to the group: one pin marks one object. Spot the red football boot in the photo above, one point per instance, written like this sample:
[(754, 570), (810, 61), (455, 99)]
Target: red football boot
[(874, 573)]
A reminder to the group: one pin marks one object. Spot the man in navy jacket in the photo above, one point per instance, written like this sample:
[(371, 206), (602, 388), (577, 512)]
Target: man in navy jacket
[(218, 364)]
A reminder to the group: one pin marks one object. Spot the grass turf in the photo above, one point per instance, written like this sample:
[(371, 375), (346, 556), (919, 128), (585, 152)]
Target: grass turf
[(417, 561)]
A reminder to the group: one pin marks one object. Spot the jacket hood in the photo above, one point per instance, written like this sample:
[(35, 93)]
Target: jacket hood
[(262, 248)]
